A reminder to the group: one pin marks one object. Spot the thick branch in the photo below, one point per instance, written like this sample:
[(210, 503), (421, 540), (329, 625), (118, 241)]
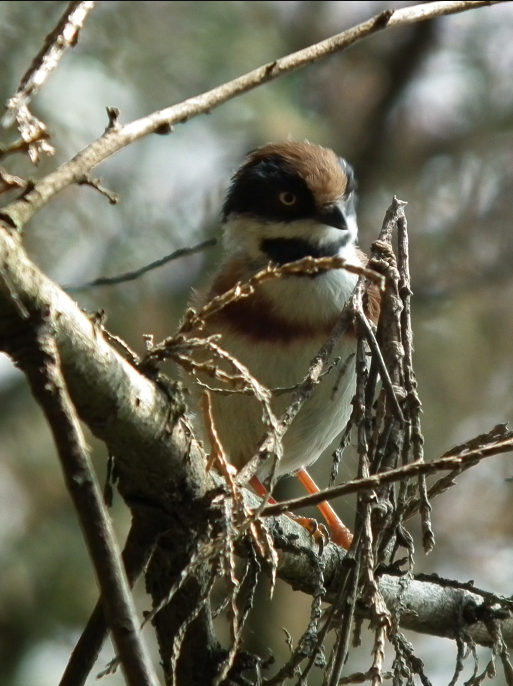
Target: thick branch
[(40, 362), (436, 607), (18, 213), (135, 418)]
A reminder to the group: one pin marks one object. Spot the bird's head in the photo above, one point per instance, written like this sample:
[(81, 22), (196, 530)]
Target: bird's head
[(290, 200)]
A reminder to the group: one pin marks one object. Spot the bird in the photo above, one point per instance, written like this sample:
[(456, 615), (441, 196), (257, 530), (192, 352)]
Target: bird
[(288, 200)]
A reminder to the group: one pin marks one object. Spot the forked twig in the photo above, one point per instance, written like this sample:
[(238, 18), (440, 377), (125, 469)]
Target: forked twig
[(34, 133)]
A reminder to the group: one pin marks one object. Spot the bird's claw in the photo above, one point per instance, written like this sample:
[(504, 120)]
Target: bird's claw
[(319, 532)]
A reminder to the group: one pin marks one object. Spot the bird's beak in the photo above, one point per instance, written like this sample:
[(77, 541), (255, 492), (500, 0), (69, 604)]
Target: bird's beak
[(333, 215)]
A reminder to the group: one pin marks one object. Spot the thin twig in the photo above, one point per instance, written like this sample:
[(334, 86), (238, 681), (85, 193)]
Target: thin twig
[(90, 180), (131, 276), (393, 475), (65, 35), (241, 290), (412, 400), (362, 677), (62, 37), (383, 371), (498, 433), (10, 181), (23, 145)]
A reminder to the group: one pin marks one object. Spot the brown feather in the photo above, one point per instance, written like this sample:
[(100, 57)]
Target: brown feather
[(255, 317), (318, 166)]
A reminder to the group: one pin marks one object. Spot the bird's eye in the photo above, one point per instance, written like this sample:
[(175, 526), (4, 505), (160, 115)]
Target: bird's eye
[(288, 199)]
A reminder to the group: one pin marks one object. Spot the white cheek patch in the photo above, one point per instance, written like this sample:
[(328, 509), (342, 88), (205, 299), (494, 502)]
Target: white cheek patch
[(242, 236)]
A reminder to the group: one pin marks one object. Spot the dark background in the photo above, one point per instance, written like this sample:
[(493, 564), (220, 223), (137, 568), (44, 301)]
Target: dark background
[(424, 113)]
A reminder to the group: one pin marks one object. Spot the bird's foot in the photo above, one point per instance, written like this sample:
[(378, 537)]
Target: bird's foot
[(336, 532), (340, 534), (319, 532)]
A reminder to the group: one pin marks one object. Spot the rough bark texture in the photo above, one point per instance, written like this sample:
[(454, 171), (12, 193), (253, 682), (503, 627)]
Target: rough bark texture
[(163, 480)]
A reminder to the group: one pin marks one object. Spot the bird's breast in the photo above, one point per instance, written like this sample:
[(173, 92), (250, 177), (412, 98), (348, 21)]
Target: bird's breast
[(286, 310), (281, 366), (276, 333)]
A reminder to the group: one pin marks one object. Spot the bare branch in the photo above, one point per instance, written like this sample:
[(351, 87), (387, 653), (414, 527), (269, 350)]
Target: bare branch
[(40, 362), (131, 276), (140, 421), (136, 554), (63, 36), (10, 181), (23, 145), (306, 265), (89, 180), (496, 434), (19, 212), (453, 462), (427, 605), (383, 371)]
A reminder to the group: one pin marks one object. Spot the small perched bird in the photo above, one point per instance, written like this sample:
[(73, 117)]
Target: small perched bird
[(288, 201)]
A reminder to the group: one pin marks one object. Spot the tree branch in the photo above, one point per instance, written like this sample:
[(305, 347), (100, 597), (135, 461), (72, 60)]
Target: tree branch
[(428, 605), (62, 37), (136, 555), (18, 213), (40, 362), (160, 466), (418, 468), (136, 273), (161, 469), (34, 133)]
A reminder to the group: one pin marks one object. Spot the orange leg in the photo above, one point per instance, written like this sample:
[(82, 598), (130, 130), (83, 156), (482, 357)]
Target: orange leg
[(260, 489), (340, 534)]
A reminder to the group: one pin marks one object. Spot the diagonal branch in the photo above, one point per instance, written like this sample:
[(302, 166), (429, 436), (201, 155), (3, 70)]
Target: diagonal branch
[(40, 363), (65, 35), (18, 213), (136, 273), (156, 458), (451, 463)]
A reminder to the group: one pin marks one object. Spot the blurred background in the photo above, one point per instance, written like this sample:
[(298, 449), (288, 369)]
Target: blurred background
[(424, 112)]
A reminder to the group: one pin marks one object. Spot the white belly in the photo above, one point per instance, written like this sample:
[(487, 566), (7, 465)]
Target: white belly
[(238, 418), (315, 304)]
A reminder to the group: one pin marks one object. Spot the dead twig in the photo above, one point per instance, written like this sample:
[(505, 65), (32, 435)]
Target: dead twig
[(33, 132), (414, 469), (89, 180), (10, 181), (307, 265)]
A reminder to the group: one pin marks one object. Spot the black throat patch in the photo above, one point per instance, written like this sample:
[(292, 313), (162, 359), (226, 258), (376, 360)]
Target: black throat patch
[(284, 250)]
